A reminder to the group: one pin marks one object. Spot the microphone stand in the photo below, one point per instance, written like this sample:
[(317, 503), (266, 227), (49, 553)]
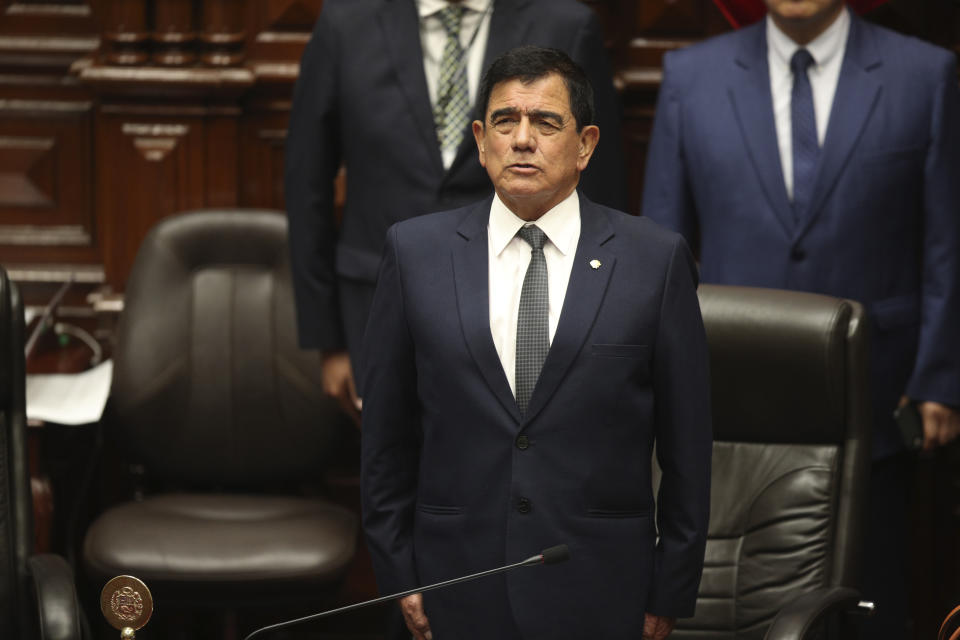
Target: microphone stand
[(549, 556), (46, 318)]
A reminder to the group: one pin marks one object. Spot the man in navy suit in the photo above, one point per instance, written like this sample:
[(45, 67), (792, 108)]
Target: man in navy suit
[(818, 152), (368, 97), (523, 356)]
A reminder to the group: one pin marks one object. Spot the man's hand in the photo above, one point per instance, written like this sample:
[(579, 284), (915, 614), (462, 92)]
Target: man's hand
[(941, 424), (657, 627), (416, 619), (338, 382)]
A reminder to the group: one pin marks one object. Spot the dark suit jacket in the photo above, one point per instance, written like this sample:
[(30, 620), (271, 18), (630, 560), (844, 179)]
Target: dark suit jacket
[(362, 100), (445, 474), (884, 223)]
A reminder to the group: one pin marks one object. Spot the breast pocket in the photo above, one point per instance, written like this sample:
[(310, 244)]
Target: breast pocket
[(616, 371), (892, 156), (893, 167), (620, 350), (630, 361), (892, 180)]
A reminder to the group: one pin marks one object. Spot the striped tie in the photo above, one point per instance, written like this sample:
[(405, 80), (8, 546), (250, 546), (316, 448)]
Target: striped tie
[(452, 110)]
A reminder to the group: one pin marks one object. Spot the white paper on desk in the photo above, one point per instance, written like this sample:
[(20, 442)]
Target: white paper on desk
[(69, 398), (29, 314)]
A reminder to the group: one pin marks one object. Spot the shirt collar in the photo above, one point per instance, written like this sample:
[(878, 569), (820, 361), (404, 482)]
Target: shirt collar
[(823, 48), (429, 7), (559, 224)]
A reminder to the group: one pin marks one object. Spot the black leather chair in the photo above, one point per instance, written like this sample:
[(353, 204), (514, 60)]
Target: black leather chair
[(37, 596), (226, 415), (790, 464)]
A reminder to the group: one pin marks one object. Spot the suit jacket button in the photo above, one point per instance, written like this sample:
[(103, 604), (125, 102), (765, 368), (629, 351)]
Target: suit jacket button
[(523, 442), (797, 254), (524, 506)]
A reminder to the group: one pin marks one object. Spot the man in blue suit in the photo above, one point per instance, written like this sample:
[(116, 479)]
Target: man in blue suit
[(815, 151), (523, 356), (371, 96)]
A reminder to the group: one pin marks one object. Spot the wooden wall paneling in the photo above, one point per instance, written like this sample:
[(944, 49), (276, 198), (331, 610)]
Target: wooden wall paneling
[(278, 30), (611, 14), (936, 22), (222, 146), (653, 28), (223, 33), (691, 18), (263, 136), (46, 208), (126, 35), (70, 17), (148, 168), (174, 34)]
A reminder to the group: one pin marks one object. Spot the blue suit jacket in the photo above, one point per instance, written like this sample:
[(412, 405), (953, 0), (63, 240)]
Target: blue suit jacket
[(361, 100), (442, 471), (884, 223)]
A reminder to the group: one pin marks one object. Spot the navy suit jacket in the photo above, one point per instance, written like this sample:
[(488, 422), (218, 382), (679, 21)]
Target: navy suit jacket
[(448, 487), (884, 223), (361, 100)]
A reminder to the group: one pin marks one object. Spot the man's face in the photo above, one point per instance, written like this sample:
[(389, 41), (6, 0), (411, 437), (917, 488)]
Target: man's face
[(530, 146), (802, 9)]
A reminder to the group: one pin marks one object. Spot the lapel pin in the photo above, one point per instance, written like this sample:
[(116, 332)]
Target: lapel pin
[(595, 263)]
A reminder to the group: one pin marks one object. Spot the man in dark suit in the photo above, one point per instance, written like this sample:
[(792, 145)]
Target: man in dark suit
[(819, 152), (374, 84), (517, 377)]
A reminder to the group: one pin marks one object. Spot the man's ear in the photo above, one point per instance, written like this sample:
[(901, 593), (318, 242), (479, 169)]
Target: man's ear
[(479, 134), (589, 137)]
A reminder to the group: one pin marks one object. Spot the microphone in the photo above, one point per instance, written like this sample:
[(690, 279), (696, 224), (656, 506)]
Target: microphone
[(553, 555)]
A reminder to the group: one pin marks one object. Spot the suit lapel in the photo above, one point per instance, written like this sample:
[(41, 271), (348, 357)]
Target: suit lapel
[(853, 103), (507, 30), (400, 25), (585, 293), (471, 276), (753, 105)]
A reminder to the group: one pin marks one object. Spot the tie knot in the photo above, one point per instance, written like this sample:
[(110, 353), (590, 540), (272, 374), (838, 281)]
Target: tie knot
[(451, 17), (800, 61), (534, 236)]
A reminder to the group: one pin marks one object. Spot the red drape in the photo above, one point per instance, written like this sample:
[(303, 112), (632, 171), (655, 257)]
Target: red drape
[(741, 12)]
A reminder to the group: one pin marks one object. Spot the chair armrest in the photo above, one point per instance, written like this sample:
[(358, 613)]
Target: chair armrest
[(58, 612), (794, 621)]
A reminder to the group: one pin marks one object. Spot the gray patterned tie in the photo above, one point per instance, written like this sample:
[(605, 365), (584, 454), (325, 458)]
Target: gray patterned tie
[(451, 113), (533, 333)]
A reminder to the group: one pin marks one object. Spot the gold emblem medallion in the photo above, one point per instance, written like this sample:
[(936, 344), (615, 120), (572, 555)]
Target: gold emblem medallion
[(126, 602)]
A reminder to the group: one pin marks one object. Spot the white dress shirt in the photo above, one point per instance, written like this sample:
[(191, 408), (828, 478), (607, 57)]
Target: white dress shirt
[(827, 50), (509, 256), (473, 38)]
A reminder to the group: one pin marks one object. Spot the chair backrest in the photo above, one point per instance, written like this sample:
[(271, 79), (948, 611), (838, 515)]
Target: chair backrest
[(791, 453), (16, 515), (210, 387)]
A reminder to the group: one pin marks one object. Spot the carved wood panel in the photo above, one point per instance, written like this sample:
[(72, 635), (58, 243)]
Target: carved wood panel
[(52, 17), (45, 176), (158, 168), (279, 29)]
